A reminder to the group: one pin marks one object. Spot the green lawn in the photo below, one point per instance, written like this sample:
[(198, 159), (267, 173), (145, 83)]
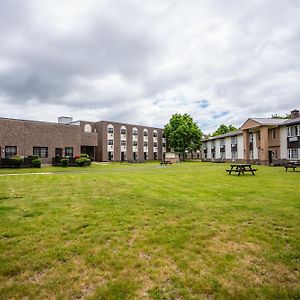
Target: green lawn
[(186, 231)]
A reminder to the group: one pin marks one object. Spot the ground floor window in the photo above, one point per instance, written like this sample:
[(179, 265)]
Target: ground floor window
[(234, 154), (40, 151), (69, 151), (155, 155), (135, 155), (294, 153), (10, 151)]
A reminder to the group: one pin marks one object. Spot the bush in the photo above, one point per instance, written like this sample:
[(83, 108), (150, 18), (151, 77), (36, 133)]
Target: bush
[(36, 163), (64, 162), (16, 161), (83, 161), (84, 155)]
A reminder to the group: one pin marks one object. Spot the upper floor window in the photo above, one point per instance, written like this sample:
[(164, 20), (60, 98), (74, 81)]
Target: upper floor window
[(233, 140), (145, 144), (154, 133), (10, 151), (135, 143), (294, 130), (110, 129), (145, 132), (110, 142), (123, 130), (123, 143), (251, 137), (273, 134), (40, 151), (134, 131), (155, 144)]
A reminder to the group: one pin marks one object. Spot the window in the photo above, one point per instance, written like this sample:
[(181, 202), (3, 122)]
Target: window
[(251, 137), (110, 142), (10, 151), (110, 129), (273, 134), (154, 133), (234, 140), (123, 130), (134, 131), (234, 154), (294, 130), (123, 143), (135, 143), (40, 151), (294, 153), (145, 132), (145, 144), (155, 144), (69, 151)]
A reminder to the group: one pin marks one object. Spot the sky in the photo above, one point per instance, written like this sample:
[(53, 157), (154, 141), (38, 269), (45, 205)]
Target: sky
[(140, 61)]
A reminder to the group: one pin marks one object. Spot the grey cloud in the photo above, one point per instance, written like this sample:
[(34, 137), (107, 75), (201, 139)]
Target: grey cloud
[(158, 58)]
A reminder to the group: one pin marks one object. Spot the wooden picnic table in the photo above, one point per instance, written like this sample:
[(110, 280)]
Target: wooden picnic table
[(292, 164), (241, 169), (165, 163)]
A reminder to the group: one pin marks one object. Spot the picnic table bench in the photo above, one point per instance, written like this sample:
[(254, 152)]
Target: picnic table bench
[(165, 163), (241, 169), (292, 164)]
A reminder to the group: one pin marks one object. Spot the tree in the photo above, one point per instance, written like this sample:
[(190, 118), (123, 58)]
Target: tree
[(276, 116), (224, 129), (183, 134)]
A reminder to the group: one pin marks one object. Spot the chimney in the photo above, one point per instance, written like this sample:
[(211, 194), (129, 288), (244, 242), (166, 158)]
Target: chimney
[(295, 114)]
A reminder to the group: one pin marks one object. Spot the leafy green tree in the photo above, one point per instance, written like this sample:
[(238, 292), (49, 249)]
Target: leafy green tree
[(182, 134), (224, 129)]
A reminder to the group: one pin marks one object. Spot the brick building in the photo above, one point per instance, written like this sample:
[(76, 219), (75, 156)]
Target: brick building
[(103, 140)]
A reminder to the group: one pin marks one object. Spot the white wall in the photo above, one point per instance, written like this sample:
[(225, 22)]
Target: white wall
[(255, 149), (283, 142), (228, 148), (209, 149), (240, 146), (218, 155)]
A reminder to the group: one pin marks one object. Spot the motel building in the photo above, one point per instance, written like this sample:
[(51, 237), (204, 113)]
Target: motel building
[(102, 140), (259, 140)]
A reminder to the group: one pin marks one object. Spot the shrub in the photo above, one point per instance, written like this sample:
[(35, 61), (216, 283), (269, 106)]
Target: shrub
[(83, 161), (16, 161), (84, 155), (36, 163), (64, 162)]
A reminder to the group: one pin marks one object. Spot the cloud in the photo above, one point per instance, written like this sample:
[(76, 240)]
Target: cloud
[(140, 62)]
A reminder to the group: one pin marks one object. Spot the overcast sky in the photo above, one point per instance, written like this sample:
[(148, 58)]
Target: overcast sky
[(140, 61)]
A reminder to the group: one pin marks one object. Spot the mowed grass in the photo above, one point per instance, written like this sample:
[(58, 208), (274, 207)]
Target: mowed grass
[(186, 231)]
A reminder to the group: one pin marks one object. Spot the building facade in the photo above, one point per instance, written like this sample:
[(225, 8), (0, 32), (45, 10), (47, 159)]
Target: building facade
[(259, 140), (103, 140)]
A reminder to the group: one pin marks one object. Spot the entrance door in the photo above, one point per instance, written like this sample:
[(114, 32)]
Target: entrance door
[(270, 156), (110, 156), (122, 156), (58, 152)]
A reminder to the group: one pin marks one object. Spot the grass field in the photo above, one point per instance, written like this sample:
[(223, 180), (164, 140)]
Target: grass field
[(186, 231)]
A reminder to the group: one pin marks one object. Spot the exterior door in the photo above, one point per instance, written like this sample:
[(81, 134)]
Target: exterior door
[(270, 156)]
